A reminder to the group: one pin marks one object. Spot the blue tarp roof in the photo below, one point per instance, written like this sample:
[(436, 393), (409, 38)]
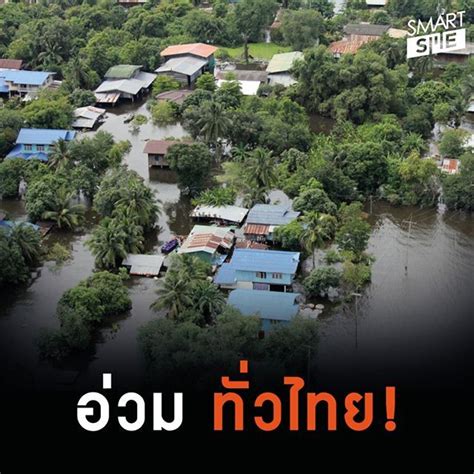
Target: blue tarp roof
[(8, 225), (33, 78), (255, 260), (270, 214), (266, 304), (18, 152), (43, 136)]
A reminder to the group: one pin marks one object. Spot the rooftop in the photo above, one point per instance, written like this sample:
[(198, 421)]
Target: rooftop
[(43, 136), (133, 86), (265, 304), (271, 261), (207, 239), (347, 46), (283, 62), (33, 78), (176, 96), (86, 117), (243, 74), (366, 29), (227, 213), (159, 147), (270, 214), (183, 65), (11, 63), (144, 265), (197, 49), (122, 71), (376, 3), (467, 51)]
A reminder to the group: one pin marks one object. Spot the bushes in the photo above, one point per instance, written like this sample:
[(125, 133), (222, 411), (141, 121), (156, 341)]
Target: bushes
[(320, 280), (83, 308)]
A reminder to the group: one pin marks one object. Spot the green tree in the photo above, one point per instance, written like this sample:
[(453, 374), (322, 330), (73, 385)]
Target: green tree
[(312, 197), (49, 110), (353, 232), (164, 113), (452, 143), (192, 164), (60, 157), (458, 189), (261, 167), (216, 197), (206, 81), (64, 214), (208, 299), (28, 240), (302, 28), (165, 83), (318, 282), (317, 229), (289, 236), (11, 172)]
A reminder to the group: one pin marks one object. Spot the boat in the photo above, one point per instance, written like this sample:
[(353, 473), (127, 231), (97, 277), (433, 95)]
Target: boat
[(128, 118), (169, 246)]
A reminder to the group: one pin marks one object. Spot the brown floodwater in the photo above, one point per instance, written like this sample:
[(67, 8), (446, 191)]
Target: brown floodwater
[(405, 321)]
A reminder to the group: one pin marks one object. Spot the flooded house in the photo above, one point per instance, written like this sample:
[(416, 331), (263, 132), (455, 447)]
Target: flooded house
[(24, 83), (220, 214), (265, 270), (263, 219), (271, 307), (37, 143), (157, 151)]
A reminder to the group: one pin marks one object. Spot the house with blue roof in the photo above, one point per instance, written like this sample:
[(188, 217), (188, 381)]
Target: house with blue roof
[(22, 82), (37, 143), (271, 307), (259, 270), (263, 219)]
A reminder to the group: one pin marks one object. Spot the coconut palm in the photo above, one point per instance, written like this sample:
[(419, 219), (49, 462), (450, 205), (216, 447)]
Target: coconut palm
[(317, 228), (214, 124), (65, 214), (141, 202), (29, 241), (174, 295), (261, 168), (108, 243), (190, 267), (239, 153), (60, 156), (127, 220), (208, 299)]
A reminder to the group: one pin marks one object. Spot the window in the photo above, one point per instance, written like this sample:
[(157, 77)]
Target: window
[(274, 321), (28, 147), (261, 275), (277, 276), (40, 147)]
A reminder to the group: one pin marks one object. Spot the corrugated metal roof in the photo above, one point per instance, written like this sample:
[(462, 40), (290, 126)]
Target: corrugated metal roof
[(122, 71), (225, 275), (143, 80), (207, 239), (32, 78), (177, 96), (249, 244), (347, 46), (92, 113), (197, 49), (265, 304), (83, 123), (256, 229), (11, 63), (366, 29), (270, 214), (107, 97), (376, 3), (43, 136), (283, 62), (159, 147), (271, 261), (185, 65), (243, 75), (227, 213), (144, 265)]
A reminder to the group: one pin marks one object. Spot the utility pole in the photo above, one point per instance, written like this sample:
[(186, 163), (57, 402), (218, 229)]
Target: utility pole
[(410, 223), (357, 296), (370, 198)]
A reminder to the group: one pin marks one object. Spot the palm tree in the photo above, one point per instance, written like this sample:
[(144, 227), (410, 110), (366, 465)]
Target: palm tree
[(127, 221), (62, 212), (140, 201), (60, 157), (29, 241), (214, 124), (108, 243), (51, 55), (208, 299), (174, 295), (79, 74), (317, 228), (190, 267), (261, 168), (239, 153)]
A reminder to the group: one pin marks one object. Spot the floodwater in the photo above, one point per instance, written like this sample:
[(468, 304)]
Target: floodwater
[(403, 320)]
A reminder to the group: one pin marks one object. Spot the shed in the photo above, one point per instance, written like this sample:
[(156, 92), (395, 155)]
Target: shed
[(87, 117), (125, 87), (157, 150), (279, 67), (232, 214), (354, 30), (243, 74), (200, 50), (122, 71), (144, 265), (272, 307), (184, 69)]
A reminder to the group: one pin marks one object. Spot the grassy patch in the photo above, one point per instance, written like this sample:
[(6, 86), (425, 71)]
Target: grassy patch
[(258, 50)]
